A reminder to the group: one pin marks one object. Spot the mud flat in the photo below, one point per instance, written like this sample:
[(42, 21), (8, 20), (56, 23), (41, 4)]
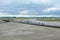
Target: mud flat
[(18, 31)]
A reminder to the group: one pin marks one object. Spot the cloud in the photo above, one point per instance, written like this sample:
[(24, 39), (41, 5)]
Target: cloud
[(41, 1), (5, 2), (29, 7), (52, 9), (29, 16), (24, 12), (48, 10), (28, 12), (4, 14)]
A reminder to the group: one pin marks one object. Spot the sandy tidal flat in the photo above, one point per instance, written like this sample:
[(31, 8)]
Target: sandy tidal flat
[(18, 31)]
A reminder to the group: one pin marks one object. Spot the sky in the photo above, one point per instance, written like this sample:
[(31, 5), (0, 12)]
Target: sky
[(44, 8)]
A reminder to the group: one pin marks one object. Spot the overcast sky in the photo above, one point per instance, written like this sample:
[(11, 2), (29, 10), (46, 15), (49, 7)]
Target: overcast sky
[(30, 7)]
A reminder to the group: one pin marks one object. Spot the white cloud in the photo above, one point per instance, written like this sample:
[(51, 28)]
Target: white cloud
[(33, 1), (36, 16), (48, 10), (57, 4), (29, 16), (6, 2), (41, 1), (3, 14), (28, 12), (24, 12)]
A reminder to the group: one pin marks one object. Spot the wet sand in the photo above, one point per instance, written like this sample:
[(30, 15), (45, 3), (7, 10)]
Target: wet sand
[(18, 31)]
